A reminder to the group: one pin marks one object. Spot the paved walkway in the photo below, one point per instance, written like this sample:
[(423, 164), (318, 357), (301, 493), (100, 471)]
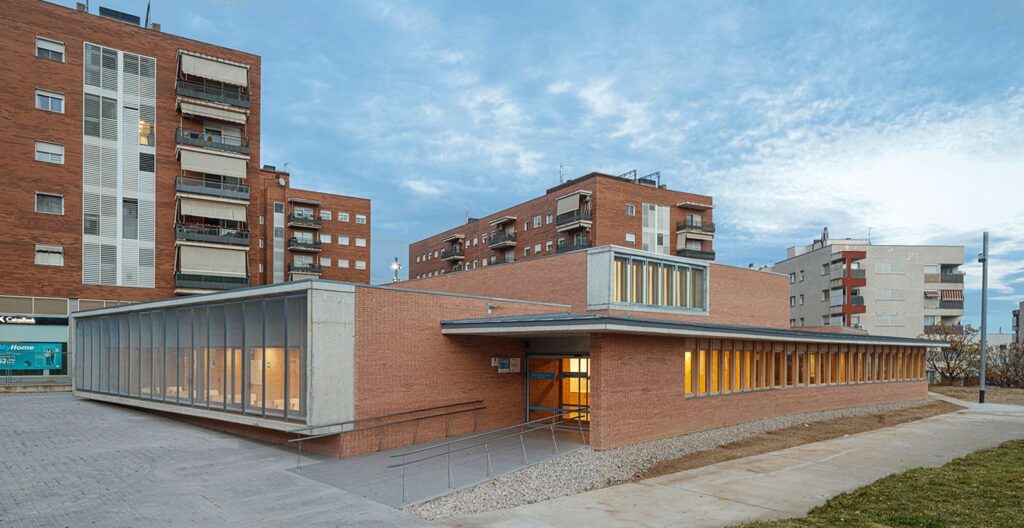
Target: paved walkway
[(71, 462), (781, 484)]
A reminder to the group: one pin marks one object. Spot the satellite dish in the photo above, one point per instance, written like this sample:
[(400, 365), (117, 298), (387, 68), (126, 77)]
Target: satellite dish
[(281, 181)]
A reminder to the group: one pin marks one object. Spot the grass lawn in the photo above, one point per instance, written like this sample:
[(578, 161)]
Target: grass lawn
[(992, 394), (983, 489)]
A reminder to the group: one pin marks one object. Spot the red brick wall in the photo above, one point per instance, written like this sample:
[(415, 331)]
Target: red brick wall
[(637, 394), (558, 279), (610, 223)]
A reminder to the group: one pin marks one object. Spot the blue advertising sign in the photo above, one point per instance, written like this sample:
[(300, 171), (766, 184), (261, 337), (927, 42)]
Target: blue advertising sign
[(31, 356)]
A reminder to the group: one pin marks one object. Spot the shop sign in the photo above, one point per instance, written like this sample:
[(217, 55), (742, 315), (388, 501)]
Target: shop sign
[(33, 320), (31, 356)]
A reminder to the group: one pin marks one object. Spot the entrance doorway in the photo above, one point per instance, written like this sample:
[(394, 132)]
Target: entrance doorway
[(557, 385)]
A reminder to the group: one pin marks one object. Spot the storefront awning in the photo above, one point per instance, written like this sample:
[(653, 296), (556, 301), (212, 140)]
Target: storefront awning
[(206, 163), (211, 209), (952, 295), (217, 70), (575, 323), (213, 261)]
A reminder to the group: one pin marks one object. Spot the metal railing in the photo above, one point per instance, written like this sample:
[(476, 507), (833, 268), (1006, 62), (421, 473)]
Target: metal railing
[(303, 220), (943, 328), (215, 235), (696, 253), (951, 305), (857, 300), (579, 215), (298, 441), (208, 282), (198, 138), (952, 278), (523, 429), (304, 268), (308, 245), (502, 237), (700, 227), (571, 246), (451, 253), (197, 185), (217, 94)]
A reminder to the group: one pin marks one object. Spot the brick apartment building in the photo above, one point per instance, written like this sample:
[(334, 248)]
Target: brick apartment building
[(904, 291), (592, 210), (133, 164), (632, 344)]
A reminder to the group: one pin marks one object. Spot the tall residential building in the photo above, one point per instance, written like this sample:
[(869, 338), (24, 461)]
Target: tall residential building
[(902, 291), (132, 163), (592, 210)]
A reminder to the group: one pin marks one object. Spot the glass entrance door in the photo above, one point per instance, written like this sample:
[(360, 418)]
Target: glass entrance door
[(557, 385)]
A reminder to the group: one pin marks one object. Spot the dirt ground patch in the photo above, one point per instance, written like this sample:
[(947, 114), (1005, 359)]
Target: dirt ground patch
[(798, 435), (992, 394)]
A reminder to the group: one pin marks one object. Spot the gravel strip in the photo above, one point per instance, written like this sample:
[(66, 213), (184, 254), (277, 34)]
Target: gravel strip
[(586, 469)]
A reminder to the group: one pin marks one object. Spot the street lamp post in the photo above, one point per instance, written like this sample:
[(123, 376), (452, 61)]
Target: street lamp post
[(983, 259), (395, 266)]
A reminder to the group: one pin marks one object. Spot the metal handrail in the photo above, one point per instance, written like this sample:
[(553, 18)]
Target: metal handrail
[(396, 422), (490, 470), (354, 420)]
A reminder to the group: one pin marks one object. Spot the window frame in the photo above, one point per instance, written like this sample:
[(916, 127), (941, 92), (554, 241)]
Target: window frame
[(50, 95), (361, 219), (52, 195), (63, 52), (42, 248), (36, 151)]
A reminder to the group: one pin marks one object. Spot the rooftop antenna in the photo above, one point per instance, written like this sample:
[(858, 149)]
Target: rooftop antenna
[(561, 172), (467, 216), (148, 5), (285, 167), (869, 235)]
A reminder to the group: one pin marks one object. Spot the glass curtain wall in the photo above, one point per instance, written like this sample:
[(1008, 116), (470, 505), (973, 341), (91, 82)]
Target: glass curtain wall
[(653, 282), (242, 356)]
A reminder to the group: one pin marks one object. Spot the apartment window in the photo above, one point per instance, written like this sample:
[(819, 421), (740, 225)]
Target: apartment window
[(49, 101), (824, 269), (792, 278), (630, 210), (417, 256), (694, 244), (474, 241), (360, 264), (483, 263), (342, 263), (360, 219), (792, 322), (824, 320), (325, 238), (325, 262), (436, 252), (801, 275), (801, 299), (260, 265), (526, 225), (49, 204), (824, 295), (49, 49), (278, 232), (130, 219), (343, 240), (549, 245), (537, 221), (655, 282), (49, 255), (278, 207), (147, 162), (261, 243), (801, 321), (49, 152), (261, 219), (100, 117), (361, 242), (91, 224), (325, 215), (342, 217), (792, 300), (526, 251), (549, 218), (536, 249), (631, 238)]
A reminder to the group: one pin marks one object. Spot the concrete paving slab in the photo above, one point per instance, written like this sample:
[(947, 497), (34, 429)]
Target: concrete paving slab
[(785, 483), (71, 462)]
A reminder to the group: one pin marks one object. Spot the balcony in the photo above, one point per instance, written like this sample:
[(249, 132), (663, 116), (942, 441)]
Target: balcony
[(295, 244), (696, 227), (225, 94), (857, 300), (943, 328), (196, 185), (213, 235), (312, 269), (208, 282), (453, 254), (196, 138), (951, 305), (696, 254), (564, 247), (948, 278), (502, 239), (296, 220), (574, 219)]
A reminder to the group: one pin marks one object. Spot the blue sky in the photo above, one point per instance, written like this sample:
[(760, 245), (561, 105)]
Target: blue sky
[(903, 117)]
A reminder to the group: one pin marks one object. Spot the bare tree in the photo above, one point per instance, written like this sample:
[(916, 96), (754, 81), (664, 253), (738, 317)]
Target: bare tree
[(1006, 366), (960, 359)]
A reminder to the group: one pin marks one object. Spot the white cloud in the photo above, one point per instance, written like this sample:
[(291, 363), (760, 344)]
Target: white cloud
[(451, 57), (559, 87), (422, 187)]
